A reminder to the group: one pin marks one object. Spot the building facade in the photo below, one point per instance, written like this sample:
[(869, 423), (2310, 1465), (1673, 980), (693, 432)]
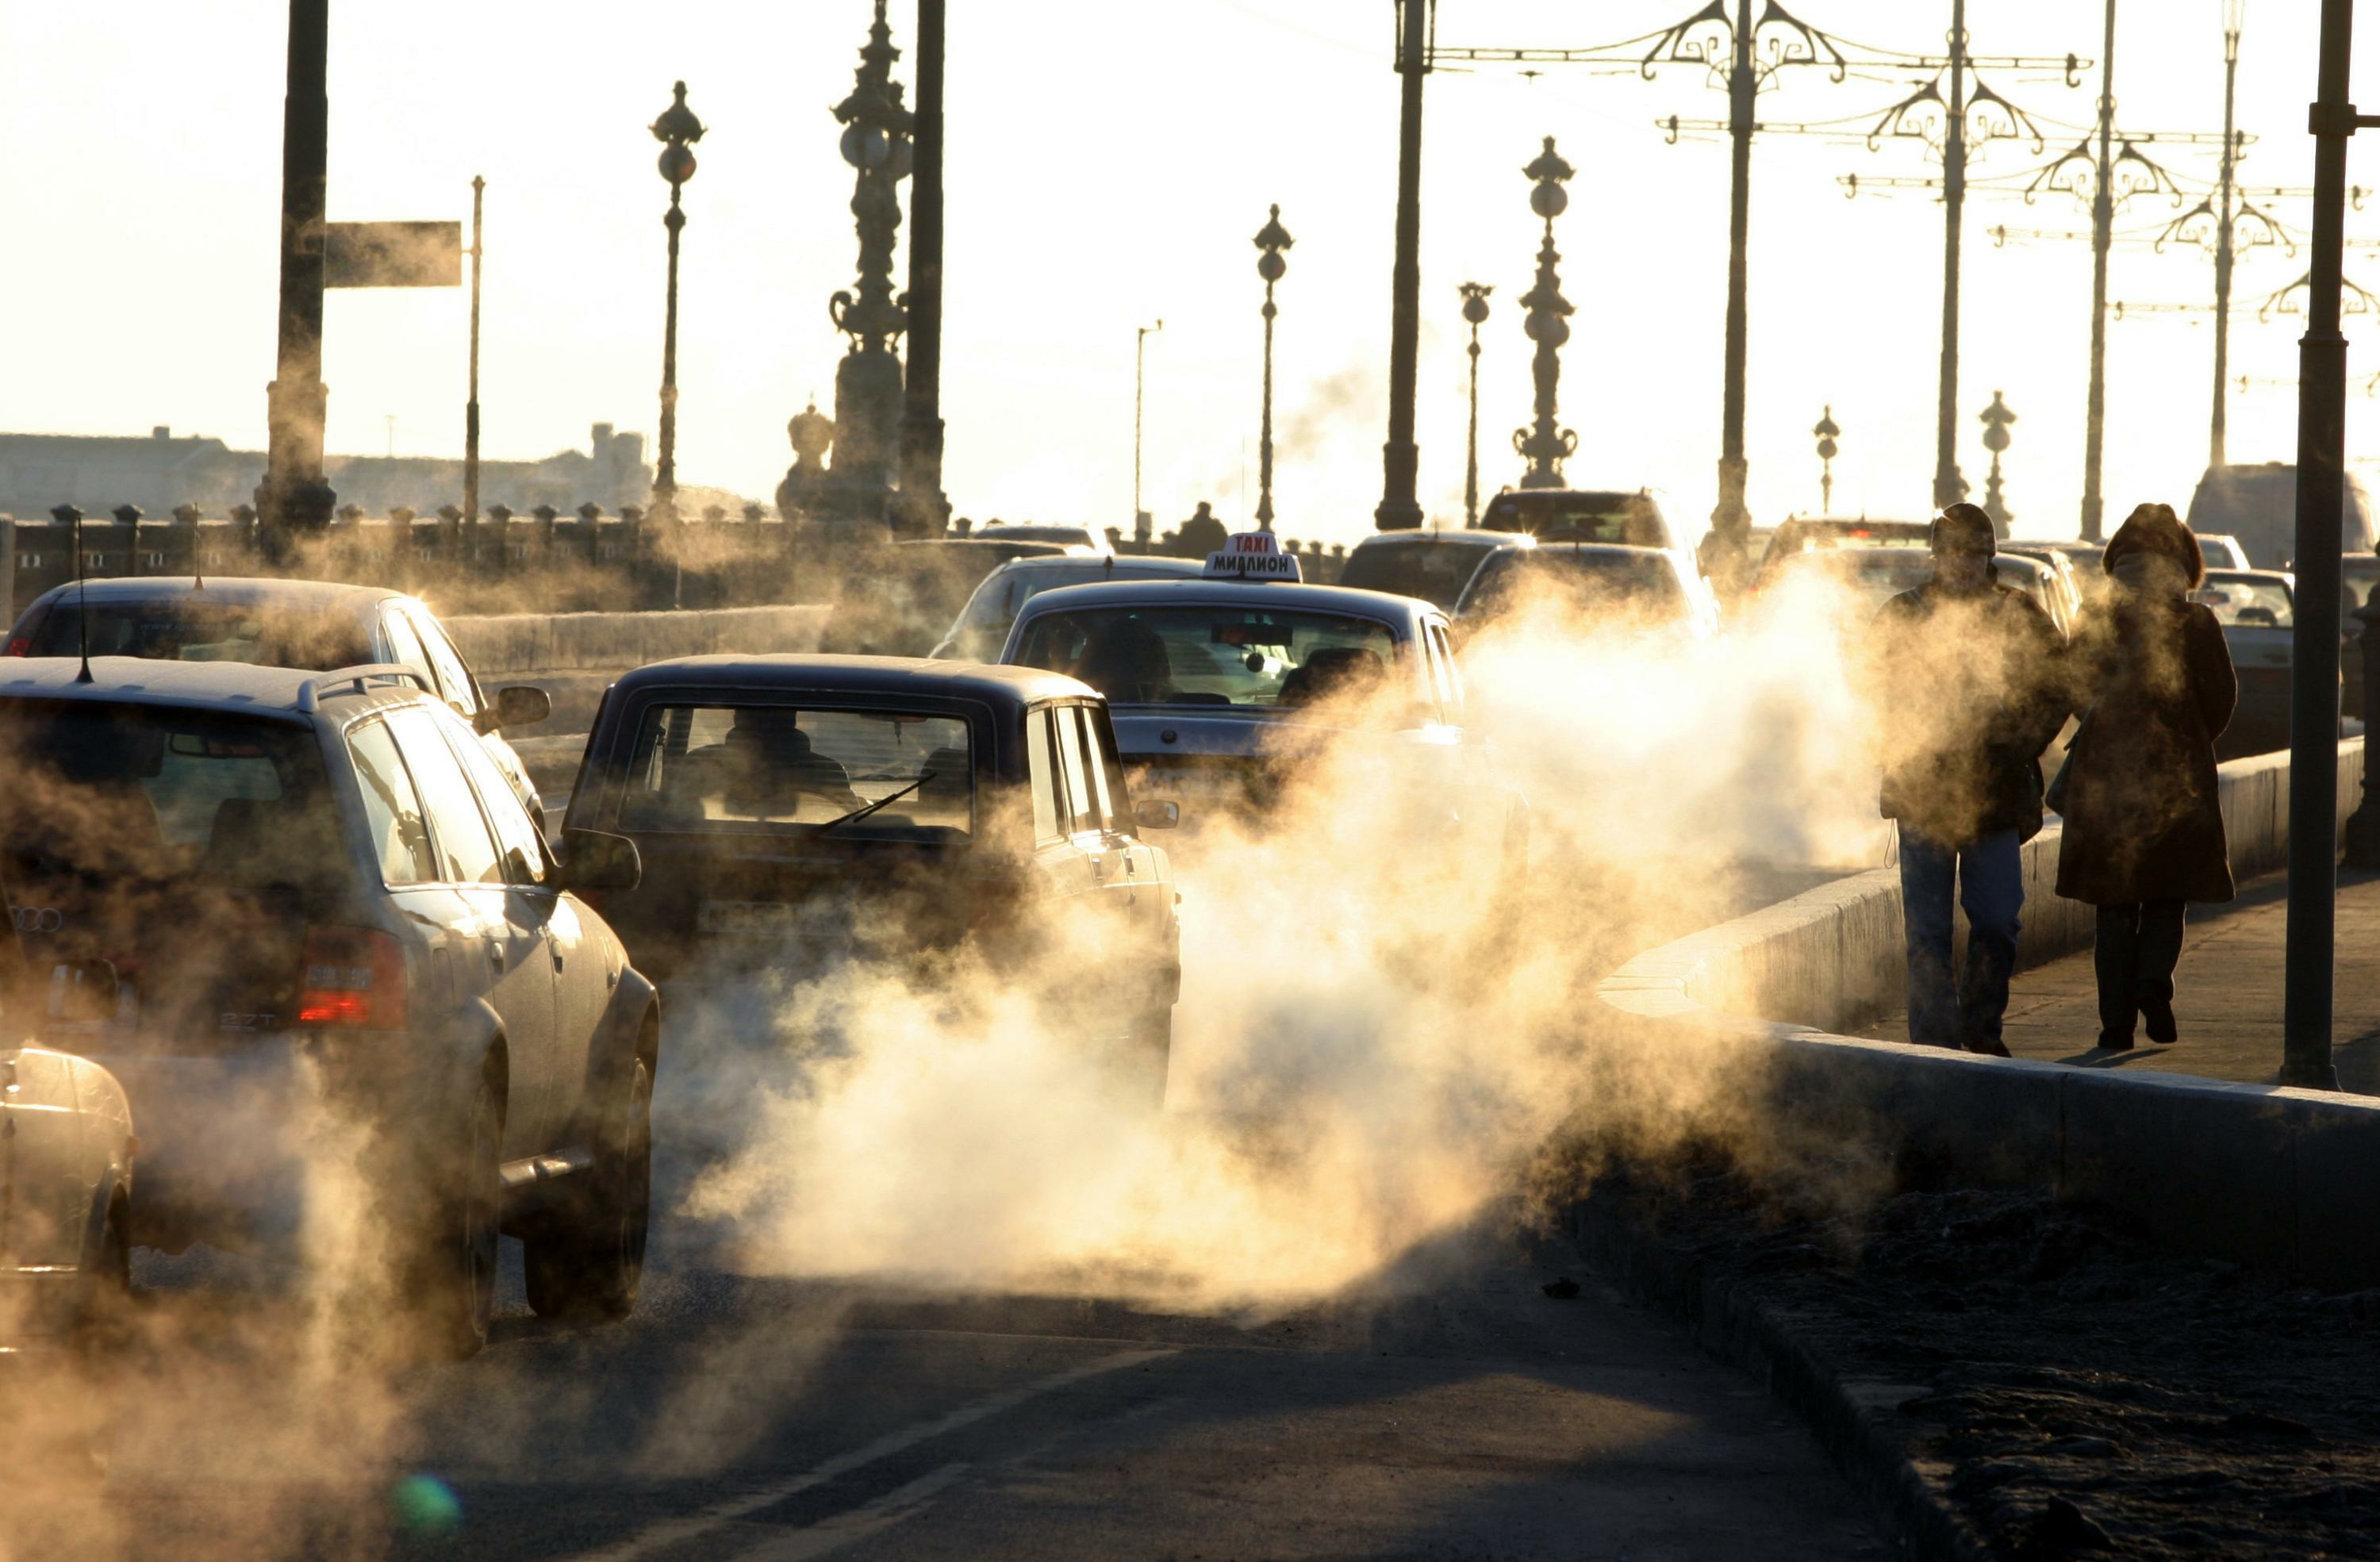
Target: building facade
[(98, 473)]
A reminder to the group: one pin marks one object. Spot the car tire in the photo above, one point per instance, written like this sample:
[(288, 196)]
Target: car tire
[(587, 1262), (1149, 1053), (455, 1291), (105, 1320)]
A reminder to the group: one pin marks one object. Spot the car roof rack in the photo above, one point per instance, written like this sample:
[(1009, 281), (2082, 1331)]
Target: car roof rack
[(309, 693)]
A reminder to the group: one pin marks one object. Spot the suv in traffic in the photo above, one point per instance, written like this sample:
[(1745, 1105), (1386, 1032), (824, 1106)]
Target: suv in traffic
[(314, 624), (292, 889)]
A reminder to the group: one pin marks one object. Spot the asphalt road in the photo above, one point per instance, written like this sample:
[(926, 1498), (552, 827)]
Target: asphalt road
[(1444, 1406), (1466, 1414)]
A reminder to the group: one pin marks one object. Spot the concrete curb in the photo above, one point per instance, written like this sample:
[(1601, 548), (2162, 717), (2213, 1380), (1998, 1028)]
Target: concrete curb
[(1851, 1417), (2256, 1174)]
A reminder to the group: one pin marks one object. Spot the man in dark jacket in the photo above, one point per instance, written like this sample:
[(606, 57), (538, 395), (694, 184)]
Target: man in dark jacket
[(1965, 678)]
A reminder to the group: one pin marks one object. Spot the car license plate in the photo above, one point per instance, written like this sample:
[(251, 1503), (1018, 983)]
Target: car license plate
[(746, 919)]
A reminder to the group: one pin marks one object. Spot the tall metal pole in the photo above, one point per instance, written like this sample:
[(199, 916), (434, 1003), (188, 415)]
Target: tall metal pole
[(1401, 458), (294, 496), (1264, 444), (664, 507), (675, 129), (2313, 643), (2225, 182), (2103, 224), (1140, 528), (1272, 238), (1475, 310), (1731, 518), (1545, 442), (471, 408), (1949, 486), (925, 511)]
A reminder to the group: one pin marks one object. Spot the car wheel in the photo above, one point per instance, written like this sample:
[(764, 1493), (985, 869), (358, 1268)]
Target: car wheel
[(105, 1319), (455, 1261), (1149, 1054), (588, 1262)]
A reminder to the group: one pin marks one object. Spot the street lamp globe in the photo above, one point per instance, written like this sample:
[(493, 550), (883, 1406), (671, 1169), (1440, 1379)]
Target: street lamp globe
[(865, 145), (1474, 304), (676, 129), (1272, 238)]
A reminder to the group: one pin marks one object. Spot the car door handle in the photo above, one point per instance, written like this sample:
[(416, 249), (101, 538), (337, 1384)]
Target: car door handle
[(557, 957), (496, 956)]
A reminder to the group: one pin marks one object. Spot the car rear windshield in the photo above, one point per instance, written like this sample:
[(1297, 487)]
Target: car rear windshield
[(1630, 518), (1599, 581), (194, 631), (2248, 604), (1436, 572), (1211, 655), (144, 794), (723, 769), (995, 603)]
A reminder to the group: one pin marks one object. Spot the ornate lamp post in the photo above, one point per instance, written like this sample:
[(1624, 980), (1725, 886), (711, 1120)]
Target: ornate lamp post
[(1475, 310), (1548, 325), (1997, 418), (867, 386), (677, 129), (1826, 430), (1272, 238)]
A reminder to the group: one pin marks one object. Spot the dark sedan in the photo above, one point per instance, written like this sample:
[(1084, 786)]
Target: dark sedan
[(796, 813)]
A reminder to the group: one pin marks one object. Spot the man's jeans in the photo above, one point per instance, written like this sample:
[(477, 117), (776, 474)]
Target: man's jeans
[(1989, 876)]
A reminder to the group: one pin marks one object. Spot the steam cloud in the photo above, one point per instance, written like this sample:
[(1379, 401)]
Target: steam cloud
[(1385, 1021)]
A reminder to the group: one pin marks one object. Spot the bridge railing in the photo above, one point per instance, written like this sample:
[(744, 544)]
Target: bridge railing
[(502, 562)]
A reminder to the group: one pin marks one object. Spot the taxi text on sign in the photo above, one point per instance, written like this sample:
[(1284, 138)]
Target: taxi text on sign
[(1253, 555)]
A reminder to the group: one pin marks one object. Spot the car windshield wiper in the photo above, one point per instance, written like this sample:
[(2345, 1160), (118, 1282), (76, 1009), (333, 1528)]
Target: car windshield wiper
[(865, 810)]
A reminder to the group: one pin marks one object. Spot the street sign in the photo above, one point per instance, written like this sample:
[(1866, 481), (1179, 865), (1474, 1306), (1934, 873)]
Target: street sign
[(393, 255), (1252, 555)]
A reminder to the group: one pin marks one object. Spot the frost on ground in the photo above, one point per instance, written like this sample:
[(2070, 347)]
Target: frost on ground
[(2085, 1393)]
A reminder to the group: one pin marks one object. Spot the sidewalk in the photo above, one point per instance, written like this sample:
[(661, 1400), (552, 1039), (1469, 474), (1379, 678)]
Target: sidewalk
[(2227, 995)]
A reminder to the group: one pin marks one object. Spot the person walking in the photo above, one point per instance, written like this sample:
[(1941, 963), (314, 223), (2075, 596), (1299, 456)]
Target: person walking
[(2143, 821), (1967, 683)]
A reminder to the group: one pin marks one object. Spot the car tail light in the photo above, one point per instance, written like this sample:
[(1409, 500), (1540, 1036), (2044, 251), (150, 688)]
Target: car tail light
[(18, 645), (354, 976)]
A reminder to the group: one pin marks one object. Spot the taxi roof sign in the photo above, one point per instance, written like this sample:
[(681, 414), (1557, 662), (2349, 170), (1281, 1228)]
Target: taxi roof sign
[(1252, 555)]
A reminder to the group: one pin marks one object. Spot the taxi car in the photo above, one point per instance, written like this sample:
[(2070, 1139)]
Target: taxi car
[(1220, 686), (270, 879), (66, 1152), (800, 812), (314, 624)]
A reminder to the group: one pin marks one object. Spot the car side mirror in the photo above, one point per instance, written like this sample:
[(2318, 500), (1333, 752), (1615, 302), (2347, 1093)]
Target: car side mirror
[(83, 990), (1158, 814), (522, 705), (596, 859)]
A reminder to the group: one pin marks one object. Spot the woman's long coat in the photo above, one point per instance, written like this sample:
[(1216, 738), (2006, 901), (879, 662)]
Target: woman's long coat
[(2143, 816)]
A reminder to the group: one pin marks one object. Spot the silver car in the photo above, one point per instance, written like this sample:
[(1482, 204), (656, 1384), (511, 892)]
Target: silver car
[(982, 625), (301, 900)]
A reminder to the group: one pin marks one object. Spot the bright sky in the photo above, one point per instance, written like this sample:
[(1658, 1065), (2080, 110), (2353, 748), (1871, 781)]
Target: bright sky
[(1107, 167)]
